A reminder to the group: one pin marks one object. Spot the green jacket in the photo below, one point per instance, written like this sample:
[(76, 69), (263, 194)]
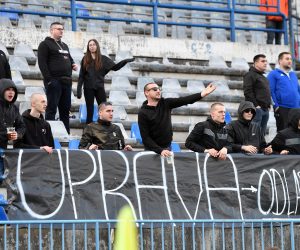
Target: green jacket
[(105, 135)]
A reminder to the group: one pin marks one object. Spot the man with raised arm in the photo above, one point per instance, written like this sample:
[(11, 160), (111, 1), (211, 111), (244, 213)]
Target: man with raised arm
[(154, 117)]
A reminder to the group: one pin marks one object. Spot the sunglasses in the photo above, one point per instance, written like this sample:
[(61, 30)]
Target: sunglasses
[(154, 89), (249, 111)]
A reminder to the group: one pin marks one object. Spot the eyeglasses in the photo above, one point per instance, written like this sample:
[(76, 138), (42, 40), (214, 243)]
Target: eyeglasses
[(154, 89), (249, 110)]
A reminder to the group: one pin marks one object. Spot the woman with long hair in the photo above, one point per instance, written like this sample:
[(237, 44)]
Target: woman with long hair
[(94, 67)]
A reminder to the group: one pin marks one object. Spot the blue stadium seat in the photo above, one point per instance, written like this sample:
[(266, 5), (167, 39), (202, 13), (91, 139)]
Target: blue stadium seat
[(3, 202), (57, 144), (135, 132), (82, 113), (175, 147), (11, 16), (74, 143), (3, 215), (227, 117), (81, 10)]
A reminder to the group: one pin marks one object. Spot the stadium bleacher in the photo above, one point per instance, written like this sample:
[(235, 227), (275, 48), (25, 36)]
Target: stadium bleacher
[(178, 77), (182, 59)]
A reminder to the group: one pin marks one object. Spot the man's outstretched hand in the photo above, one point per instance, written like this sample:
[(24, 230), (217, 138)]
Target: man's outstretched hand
[(209, 89)]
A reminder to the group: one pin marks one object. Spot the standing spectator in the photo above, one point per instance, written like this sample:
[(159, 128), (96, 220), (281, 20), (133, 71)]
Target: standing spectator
[(257, 90), (9, 117), (285, 89), (104, 134), (56, 65), (38, 133), (246, 136), (274, 22), (154, 117), (211, 136), (4, 66), (94, 67)]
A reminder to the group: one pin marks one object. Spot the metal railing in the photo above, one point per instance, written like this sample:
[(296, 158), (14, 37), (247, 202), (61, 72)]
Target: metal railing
[(76, 11), (154, 234)]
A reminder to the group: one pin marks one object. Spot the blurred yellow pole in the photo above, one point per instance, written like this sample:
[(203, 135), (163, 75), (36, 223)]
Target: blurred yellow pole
[(126, 231)]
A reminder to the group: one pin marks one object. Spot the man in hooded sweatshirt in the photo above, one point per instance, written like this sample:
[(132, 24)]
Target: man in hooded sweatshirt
[(9, 117), (244, 135), (38, 133), (210, 136), (56, 65), (287, 141)]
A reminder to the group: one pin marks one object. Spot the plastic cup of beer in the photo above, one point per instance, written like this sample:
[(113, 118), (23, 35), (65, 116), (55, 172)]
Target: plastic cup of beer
[(170, 159), (10, 130)]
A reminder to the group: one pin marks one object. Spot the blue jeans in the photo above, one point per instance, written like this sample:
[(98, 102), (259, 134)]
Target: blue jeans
[(261, 118), (58, 96)]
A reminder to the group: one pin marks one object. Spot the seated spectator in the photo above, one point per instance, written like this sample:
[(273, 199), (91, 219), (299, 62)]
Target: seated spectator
[(38, 133), (211, 136), (244, 135), (103, 134), (10, 119), (287, 141)]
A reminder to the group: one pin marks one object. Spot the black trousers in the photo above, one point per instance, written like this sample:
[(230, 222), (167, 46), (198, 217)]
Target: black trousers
[(271, 35), (58, 96), (281, 117), (89, 96)]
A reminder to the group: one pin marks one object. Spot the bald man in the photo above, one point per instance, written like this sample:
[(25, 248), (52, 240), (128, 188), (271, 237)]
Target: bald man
[(38, 133)]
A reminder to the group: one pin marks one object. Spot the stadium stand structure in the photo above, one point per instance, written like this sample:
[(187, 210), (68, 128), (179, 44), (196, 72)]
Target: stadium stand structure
[(179, 73)]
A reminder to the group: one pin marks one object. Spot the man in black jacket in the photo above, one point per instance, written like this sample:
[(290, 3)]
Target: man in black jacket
[(287, 141), (154, 117), (211, 136), (56, 65), (246, 136), (38, 133), (257, 90), (103, 134), (10, 119), (4, 66)]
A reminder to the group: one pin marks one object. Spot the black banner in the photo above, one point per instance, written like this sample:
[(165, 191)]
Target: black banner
[(82, 184)]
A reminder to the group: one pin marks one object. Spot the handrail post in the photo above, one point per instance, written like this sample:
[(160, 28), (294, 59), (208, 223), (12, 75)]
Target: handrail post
[(73, 14), (291, 31), (232, 24), (155, 18)]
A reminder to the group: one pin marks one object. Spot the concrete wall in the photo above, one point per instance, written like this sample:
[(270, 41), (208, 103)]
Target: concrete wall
[(147, 46)]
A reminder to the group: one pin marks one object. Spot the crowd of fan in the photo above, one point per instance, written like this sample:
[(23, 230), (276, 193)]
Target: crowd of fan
[(279, 89)]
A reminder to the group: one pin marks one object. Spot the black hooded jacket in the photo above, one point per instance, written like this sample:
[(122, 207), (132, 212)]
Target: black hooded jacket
[(54, 59), (9, 113), (4, 66), (207, 135), (289, 138), (242, 132), (38, 132)]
